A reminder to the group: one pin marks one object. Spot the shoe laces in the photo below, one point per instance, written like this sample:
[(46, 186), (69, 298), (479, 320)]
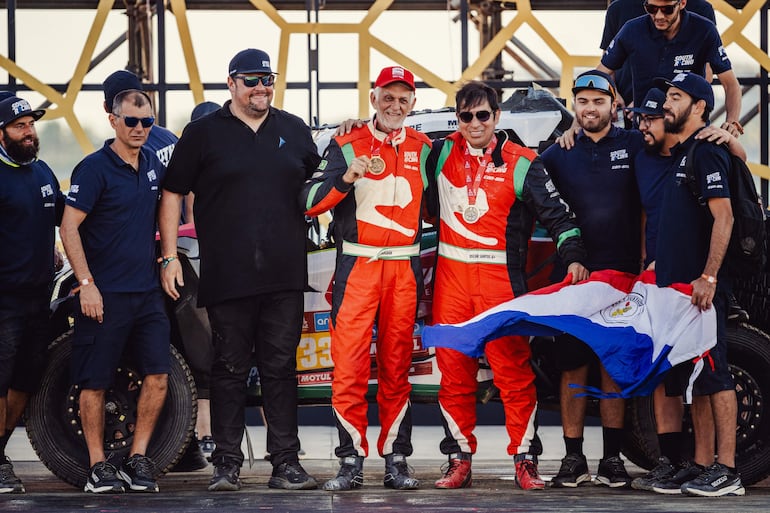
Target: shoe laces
[(529, 468), (142, 465), (450, 467), (569, 462), (615, 465), (6, 472)]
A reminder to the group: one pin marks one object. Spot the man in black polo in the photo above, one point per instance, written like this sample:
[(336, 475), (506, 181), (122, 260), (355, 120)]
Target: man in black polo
[(30, 208), (108, 231), (246, 164)]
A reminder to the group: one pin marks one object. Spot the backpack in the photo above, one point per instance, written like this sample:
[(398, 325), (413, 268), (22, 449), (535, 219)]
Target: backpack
[(746, 253)]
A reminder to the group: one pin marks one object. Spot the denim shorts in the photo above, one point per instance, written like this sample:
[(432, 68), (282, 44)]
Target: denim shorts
[(133, 321)]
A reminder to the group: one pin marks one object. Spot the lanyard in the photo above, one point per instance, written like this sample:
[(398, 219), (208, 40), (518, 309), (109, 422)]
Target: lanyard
[(474, 183), (377, 164)]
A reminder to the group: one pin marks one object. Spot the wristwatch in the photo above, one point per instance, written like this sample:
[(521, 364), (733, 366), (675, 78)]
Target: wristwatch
[(86, 281), (711, 279)]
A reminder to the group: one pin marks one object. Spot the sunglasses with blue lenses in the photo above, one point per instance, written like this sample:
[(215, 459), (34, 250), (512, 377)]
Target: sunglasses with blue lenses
[(481, 115), (595, 82), (668, 10), (267, 80), (132, 121)]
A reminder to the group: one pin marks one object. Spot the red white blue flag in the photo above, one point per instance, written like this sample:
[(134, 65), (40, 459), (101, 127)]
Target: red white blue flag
[(637, 329)]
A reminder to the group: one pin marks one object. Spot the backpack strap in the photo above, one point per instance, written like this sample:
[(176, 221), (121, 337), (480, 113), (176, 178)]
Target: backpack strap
[(689, 171)]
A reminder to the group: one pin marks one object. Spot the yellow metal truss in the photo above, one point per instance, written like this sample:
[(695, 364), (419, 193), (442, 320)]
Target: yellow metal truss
[(367, 42)]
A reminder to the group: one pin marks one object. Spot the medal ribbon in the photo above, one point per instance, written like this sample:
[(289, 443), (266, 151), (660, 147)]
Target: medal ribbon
[(474, 183), (375, 150)]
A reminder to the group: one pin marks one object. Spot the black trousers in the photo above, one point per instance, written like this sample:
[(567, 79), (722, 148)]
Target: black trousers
[(269, 326)]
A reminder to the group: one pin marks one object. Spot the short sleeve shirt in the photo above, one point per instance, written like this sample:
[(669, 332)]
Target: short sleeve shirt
[(684, 232), (250, 223), (651, 172), (121, 203), (29, 201), (597, 180), (161, 142), (651, 55)]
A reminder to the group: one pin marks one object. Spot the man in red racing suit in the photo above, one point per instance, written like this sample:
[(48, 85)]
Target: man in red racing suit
[(374, 179), (487, 191)]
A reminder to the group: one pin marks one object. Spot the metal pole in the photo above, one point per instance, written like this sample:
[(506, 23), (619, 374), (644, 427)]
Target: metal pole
[(764, 98), (11, 4), (160, 12)]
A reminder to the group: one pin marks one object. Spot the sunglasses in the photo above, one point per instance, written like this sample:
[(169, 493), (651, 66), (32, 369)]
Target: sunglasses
[(595, 82), (665, 9), (481, 115), (266, 80), (132, 121)]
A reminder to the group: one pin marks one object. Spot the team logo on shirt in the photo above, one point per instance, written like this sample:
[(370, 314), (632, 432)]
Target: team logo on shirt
[(684, 60), (722, 53), (46, 190), (74, 189), (411, 157), (151, 175), (621, 154)]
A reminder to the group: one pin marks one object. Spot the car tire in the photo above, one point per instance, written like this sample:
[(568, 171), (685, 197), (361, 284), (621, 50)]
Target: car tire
[(749, 359), (53, 421)]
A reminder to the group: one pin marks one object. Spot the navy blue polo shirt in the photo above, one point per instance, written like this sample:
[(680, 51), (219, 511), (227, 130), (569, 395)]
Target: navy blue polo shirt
[(31, 205), (250, 223), (598, 182), (651, 172), (621, 11), (118, 233), (651, 55), (161, 141), (684, 233)]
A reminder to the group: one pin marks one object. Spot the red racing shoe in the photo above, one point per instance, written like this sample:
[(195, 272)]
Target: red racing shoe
[(457, 473), (527, 477)]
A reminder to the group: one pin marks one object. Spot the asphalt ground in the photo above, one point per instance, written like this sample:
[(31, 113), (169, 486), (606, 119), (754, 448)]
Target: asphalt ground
[(493, 486)]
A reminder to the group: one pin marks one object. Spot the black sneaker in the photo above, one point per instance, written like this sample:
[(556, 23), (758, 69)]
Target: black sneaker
[(291, 476), (226, 477), (735, 312), (138, 473), (9, 483), (715, 481), (207, 446), (349, 477), (398, 475), (103, 478), (192, 459), (685, 471), (612, 473), (663, 470), (573, 471)]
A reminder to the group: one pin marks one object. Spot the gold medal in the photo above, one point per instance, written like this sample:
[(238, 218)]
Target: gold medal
[(471, 214), (376, 165)]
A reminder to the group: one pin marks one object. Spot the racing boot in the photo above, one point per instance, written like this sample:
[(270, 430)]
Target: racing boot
[(527, 477), (398, 475), (457, 472), (349, 477)]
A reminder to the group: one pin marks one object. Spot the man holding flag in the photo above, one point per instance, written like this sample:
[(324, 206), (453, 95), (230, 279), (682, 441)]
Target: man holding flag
[(486, 191)]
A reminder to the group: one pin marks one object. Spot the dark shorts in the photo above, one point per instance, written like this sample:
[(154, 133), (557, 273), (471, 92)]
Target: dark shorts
[(715, 375), (25, 333), (571, 353), (136, 317)]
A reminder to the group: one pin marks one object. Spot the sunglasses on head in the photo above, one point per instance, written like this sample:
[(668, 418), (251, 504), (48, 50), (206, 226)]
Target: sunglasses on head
[(481, 115), (665, 9), (266, 80), (595, 82), (132, 121)]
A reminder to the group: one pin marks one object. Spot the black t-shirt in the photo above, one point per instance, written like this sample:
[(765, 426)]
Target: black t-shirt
[(250, 224), (684, 233)]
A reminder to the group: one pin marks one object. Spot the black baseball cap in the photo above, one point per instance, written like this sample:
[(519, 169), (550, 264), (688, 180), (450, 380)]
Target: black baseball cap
[(652, 105), (595, 80), (121, 80), (13, 108), (250, 60), (692, 84)]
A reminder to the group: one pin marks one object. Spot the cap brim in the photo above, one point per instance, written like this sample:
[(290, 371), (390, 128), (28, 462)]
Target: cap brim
[(662, 83), (642, 110), (576, 90), (262, 70), (407, 84), (36, 114)]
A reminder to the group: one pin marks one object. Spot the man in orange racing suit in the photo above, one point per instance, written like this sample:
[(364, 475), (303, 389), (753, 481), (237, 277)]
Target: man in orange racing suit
[(374, 179), (487, 193)]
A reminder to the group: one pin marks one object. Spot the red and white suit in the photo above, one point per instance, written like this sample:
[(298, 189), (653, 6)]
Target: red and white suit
[(482, 264), (377, 229)]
